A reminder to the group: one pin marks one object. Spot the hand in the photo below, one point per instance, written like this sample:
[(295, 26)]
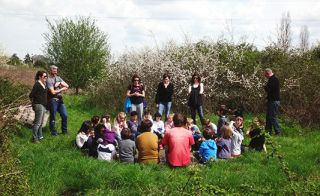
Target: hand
[(157, 105)]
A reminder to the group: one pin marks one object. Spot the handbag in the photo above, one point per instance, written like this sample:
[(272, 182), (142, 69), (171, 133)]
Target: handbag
[(127, 104)]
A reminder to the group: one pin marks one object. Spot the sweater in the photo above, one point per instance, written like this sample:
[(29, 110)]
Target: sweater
[(164, 94), (39, 94)]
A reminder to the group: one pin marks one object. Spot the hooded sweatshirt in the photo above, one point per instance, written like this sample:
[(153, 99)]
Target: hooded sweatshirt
[(208, 150)]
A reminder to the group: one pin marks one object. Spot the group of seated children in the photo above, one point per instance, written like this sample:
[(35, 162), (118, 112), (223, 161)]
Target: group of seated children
[(124, 138)]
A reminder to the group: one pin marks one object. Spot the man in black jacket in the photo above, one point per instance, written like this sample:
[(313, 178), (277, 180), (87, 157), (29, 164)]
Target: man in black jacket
[(273, 96)]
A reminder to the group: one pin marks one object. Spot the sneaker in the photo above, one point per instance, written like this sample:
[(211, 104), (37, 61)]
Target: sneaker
[(40, 138), (54, 134)]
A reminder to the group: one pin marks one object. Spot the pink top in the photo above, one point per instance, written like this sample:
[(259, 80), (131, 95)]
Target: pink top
[(179, 141)]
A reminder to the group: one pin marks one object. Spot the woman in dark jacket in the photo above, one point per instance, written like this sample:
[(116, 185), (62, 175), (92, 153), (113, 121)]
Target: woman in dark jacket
[(164, 95), (38, 97)]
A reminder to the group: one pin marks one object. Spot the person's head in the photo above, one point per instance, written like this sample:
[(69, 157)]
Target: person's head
[(223, 111), (147, 115), (170, 118), (53, 70), (189, 123), (226, 131), (166, 78), (208, 133), (268, 73), (86, 126), (157, 116), (145, 126), (100, 128), (134, 116), (41, 75), (195, 78), (238, 121), (121, 117), (206, 122), (105, 118), (135, 80), (125, 133), (179, 120), (95, 120), (257, 122)]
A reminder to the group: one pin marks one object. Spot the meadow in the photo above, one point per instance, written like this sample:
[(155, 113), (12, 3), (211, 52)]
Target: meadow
[(56, 167)]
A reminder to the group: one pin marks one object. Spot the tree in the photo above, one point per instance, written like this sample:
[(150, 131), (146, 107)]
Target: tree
[(14, 60), (304, 38), (284, 33), (27, 59), (79, 48)]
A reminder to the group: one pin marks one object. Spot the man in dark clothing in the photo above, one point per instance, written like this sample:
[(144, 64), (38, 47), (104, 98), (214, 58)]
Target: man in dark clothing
[(273, 97)]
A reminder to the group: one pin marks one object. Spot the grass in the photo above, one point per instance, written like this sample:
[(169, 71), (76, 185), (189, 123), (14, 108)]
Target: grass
[(55, 166)]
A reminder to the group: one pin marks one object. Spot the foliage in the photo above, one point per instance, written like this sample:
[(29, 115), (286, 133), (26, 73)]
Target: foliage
[(41, 63), (27, 59), (78, 48), (14, 60)]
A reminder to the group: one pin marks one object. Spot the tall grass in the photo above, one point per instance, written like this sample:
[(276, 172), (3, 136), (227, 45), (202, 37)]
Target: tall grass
[(55, 166)]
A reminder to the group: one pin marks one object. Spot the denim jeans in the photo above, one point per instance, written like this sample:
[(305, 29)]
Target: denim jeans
[(39, 111), (57, 105), (271, 117), (193, 113), (138, 108), (165, 106)]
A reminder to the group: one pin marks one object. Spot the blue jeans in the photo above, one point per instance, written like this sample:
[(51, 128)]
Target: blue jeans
[(139, 109), (193, 113), (56, 105), (165, 106), (271, 117), (39, 111)]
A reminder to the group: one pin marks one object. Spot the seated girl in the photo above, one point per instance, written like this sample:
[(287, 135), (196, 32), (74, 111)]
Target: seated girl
[(208, 147)]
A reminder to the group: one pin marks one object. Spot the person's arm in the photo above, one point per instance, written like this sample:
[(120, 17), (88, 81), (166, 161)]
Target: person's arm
[(31, 95), (170, 89), (189, 89), (201, 88)]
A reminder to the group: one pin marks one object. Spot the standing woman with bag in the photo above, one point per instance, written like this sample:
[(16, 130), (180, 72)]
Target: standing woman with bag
[(38, 97), (136, 92), (164, 95), (195, 97)]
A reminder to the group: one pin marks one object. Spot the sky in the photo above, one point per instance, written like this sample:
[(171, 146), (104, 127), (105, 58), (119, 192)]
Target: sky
[(133, 24)]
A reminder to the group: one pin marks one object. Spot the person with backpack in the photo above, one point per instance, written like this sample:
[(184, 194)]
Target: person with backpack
[(136, 93), (56, 86)]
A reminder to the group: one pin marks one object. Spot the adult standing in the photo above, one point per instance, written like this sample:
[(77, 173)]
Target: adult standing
[(38, 97), (178, 142), (195, 97), (136, 93), (273, 102), (164, 95), (56, 86)]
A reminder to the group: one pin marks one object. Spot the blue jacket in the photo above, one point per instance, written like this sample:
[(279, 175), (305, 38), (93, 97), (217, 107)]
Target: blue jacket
[(208, 150)]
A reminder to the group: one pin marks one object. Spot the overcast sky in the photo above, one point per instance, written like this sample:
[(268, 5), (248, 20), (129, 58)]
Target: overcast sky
[(136, 23)]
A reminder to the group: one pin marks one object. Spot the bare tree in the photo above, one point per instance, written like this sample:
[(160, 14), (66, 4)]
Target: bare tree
[(284, 32), (304, 38)]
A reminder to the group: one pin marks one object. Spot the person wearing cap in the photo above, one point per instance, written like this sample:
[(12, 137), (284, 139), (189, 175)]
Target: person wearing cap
[(56, 86), (273, 102)]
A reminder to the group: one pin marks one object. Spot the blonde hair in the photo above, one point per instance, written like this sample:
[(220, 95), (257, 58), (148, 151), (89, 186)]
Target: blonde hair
[(120, 115), (171, 116), (226, 132), (189, 121)]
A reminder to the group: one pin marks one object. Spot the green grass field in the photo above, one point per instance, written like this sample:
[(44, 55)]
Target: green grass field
[(55, 166)]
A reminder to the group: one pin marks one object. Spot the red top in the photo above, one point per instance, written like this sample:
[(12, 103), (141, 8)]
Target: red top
[(179, 141)]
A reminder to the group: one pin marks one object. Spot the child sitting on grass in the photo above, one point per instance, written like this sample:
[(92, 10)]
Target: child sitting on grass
[(105, 120), (237, 137), (133, 124), (158, 125), (224, 143), (127, 147), (223, 119), (195, 133), (208, 147), (257, 135), (169, 122), (84, 136), (106, 152), (207, 124), (119, 124)]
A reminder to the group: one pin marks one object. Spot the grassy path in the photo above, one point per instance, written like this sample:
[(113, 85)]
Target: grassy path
[(55, 167)]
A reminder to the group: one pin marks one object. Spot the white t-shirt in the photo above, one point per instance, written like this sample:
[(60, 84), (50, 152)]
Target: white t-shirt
[(158, 127), (106, 152), (236, 141), (81, 138)]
